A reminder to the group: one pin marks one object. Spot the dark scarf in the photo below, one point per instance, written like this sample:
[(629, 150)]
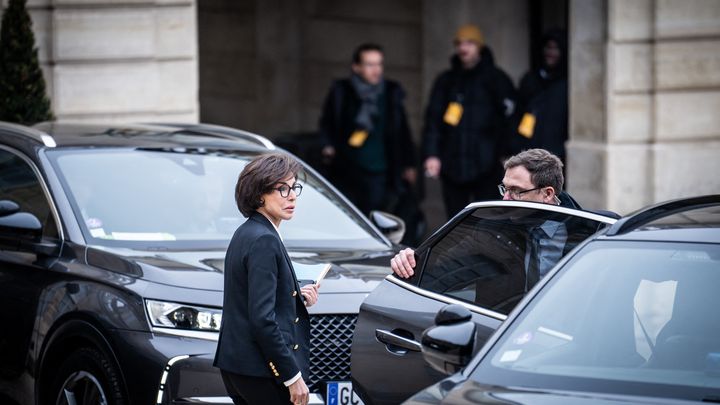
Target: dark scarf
[(369, 95)]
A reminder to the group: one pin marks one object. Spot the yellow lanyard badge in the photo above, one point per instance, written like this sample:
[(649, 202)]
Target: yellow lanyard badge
[(453, 114), (527, 126), (358, 138)]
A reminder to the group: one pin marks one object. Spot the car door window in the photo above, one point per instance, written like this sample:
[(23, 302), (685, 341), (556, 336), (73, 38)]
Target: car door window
[(19, 183), (494, 255)]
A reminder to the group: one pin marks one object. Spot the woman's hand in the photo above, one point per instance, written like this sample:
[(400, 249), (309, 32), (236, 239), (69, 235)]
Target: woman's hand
[(310, 294), (299, 392)]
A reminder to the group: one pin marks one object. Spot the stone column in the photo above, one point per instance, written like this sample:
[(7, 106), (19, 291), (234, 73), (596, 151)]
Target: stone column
[(686, 119), (111, 61), (644, 80)]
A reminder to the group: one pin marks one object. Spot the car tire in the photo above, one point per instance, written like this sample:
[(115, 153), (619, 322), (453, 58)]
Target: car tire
[(87, 376)]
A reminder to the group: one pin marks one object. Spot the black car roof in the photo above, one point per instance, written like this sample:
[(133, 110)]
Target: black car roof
[(63, 135), (695, 220)]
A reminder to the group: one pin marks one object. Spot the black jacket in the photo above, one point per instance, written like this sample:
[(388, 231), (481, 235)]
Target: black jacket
[(265, 328), (543, 93), (337, 123), (471, 149)]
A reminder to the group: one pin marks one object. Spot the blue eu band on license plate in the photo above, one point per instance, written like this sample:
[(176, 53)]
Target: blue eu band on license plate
[(341, 393)]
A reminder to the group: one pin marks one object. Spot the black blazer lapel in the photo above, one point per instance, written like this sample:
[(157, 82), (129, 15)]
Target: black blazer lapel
[(260, 218)]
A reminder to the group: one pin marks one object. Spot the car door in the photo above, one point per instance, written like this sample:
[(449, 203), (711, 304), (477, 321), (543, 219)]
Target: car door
[(21, 271), (481, 260)]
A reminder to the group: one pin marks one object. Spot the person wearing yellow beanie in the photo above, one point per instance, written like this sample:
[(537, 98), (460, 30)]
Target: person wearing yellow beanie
[(465, 123), (470, 32), (469, 41)]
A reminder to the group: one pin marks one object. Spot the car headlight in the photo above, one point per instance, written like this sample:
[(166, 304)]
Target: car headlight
[(182, 316)]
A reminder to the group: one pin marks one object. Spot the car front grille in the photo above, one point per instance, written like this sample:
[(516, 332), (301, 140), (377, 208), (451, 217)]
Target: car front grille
[(330, 341)]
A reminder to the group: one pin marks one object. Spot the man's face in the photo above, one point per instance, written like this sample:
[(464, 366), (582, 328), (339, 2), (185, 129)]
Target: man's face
[(551, 53), (468, 52), (370, 68), (517, 180)]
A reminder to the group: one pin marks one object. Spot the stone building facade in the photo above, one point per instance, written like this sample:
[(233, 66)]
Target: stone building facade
[(644, 74), (644, 101), (118, 61)]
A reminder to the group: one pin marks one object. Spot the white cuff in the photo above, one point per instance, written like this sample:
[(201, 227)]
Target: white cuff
[(292, 380)]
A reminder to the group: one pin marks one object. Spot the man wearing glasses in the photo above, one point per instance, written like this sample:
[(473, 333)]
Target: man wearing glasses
[(533, 175)]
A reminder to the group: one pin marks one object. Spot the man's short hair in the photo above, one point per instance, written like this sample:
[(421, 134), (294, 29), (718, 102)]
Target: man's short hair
[(366, 47), (260, 176), (545, 168)]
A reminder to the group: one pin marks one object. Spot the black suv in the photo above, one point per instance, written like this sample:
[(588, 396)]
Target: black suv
[(112, 245), (628, 317)]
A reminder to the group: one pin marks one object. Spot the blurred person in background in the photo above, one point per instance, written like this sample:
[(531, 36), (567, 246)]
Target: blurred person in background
[(366, 137), (367, 143), (466, 121), (542, 113)]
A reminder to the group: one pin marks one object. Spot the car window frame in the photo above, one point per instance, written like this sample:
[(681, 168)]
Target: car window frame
[(43, 186), (423, 251)]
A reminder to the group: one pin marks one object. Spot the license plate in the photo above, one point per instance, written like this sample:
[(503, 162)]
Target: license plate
[(341, 393)]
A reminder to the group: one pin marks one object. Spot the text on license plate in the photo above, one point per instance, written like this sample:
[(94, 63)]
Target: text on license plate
[(341, 393)]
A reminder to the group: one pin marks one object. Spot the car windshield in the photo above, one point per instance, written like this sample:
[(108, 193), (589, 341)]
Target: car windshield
[(184, 198), (621, 317)]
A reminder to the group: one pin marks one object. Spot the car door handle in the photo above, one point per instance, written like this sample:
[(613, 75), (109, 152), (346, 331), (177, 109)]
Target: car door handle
[(390, 338)]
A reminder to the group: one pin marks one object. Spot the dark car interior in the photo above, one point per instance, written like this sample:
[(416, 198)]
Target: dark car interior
[(483, 259)]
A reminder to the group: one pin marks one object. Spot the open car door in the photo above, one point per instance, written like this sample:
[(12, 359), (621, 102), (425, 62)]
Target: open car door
[(486, 259)]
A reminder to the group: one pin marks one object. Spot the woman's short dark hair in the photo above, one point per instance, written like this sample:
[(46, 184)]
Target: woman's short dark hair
[(260, 176)]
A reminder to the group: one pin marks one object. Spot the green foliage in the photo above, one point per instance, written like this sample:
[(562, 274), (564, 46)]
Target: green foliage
[(22, 86)]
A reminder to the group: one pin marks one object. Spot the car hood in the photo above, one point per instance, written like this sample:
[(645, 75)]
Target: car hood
[(473, 392), (350, 272)]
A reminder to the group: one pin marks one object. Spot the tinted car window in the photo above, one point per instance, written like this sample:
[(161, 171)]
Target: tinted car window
[(174, 198), (19, 183), (485, 259), (627, 317)]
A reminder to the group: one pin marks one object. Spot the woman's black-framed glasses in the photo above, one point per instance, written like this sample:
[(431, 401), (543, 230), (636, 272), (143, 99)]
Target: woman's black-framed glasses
[(285, 188), (514, 193)]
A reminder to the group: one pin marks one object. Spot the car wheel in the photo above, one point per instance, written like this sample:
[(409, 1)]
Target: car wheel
[(87, 377)]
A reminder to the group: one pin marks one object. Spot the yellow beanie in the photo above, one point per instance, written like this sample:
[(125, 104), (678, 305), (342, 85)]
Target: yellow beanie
[(470, 32)]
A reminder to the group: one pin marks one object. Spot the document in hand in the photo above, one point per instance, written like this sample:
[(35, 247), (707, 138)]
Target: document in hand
[(311, 273), (323, 273)]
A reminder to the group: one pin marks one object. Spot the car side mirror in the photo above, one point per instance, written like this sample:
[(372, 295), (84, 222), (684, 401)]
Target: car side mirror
[(393, 227), (8, 207), (20, 231), (448, 346)]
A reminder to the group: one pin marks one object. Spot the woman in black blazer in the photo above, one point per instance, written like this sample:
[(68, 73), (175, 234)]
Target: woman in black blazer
[(263, 349)]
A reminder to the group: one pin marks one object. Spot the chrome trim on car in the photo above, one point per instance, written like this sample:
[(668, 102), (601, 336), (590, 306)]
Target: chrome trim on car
[(43, 185), (237, 133), (227, 132), (389, 338), (29, 132), (439, 297), (543, 207), (166, 371), (214, 336)]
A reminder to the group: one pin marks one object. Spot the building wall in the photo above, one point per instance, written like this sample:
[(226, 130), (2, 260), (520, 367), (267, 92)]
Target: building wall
[(267, 65), (122, 61), (645, 92)]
